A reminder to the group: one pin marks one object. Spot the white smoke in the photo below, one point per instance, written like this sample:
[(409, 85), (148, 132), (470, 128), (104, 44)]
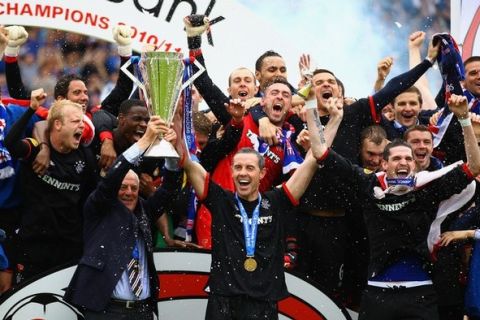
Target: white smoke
[(348, 37)]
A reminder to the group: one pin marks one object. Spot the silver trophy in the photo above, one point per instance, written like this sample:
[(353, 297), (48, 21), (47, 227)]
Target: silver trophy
[(162, 74)]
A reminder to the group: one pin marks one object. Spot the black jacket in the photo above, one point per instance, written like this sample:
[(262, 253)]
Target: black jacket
[(109, 238)]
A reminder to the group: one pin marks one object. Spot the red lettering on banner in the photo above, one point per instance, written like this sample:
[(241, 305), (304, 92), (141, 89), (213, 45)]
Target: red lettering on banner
[(42, 11), (82, 17), (79, 15), (57, 11), (12, 8), (145, 37), (91, 19), (104, 22), (26, 10), (467, 49)]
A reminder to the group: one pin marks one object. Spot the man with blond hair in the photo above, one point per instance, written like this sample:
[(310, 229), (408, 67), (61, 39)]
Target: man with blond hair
[(50, 231)]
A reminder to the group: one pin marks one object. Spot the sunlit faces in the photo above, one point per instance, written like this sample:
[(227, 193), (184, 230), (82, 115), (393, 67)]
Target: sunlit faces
[(246, 175), (272, 67), (472, 78), (371, 154), (400, 163), (77, 92), (128, 192), (242, 84), (422, 145), (70, 128), (325, 86), (133, 125), (277, 102), (406, 108)]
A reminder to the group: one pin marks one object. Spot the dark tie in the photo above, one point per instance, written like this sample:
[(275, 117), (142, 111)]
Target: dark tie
[(475, 108), (133, 270)]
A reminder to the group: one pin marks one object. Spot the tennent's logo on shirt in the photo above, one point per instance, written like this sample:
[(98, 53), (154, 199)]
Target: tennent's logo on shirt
[(261, 220), (60, 185), (395, 206)]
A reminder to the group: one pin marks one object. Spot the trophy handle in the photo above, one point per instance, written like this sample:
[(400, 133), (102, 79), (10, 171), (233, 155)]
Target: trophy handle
[(201, 69), (135, 80)]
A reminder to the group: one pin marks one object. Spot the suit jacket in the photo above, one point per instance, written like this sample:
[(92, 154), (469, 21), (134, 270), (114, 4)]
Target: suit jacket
[(109, 238)]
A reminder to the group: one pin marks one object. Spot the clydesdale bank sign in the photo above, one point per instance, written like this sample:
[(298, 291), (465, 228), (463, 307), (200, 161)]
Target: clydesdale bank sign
[(183, 276)]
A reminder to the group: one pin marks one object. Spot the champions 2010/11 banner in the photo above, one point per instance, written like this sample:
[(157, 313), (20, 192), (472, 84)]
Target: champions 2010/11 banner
[(160, 23)]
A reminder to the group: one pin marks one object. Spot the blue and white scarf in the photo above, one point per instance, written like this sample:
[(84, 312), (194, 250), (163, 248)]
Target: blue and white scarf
[(6, 164)]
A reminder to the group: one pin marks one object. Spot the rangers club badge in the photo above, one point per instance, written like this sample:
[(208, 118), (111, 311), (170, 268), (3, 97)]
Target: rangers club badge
[(79, 166), (265, 204)]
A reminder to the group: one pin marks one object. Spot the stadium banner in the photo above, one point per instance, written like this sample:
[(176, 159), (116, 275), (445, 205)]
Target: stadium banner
[(465, 22), (183, 278), (160, 23)]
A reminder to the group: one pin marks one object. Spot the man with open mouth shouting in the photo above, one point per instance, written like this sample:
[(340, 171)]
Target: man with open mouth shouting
[(399, 208), (50, 232), (247, 277)]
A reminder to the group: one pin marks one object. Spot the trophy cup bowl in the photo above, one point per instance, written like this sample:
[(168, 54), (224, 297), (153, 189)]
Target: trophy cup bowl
[(162, 73)]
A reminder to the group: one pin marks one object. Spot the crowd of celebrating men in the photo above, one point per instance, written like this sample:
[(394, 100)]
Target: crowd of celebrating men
[(372, 199)]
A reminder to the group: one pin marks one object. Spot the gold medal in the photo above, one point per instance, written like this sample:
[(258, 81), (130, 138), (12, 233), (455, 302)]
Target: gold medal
[(250, 264)]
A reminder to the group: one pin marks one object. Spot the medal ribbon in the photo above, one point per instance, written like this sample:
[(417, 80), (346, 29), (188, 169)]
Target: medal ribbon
[(409, 182), (250, 231)]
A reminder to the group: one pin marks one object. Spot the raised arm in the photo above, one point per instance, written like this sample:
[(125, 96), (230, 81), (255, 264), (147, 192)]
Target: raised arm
[(212, 95), (383, 70), (17, 147), (459, 106), (17, 36), (299, 181), (123, 37), (196, 174), (415, 42), (405, 80)]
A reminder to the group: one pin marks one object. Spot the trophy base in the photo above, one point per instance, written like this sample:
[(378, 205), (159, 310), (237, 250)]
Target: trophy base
[(161, 149)]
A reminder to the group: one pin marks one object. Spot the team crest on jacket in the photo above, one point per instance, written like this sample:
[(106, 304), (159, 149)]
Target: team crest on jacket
[(265, 204), (79, 165)]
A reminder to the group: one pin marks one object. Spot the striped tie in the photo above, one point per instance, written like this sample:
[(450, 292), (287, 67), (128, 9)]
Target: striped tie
[(133, 270)]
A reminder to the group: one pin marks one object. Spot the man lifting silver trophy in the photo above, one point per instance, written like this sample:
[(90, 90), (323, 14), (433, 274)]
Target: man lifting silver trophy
[(162, 82)]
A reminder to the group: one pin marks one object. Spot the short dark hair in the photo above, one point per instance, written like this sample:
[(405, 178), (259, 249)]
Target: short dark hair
[(261, 159), (317, 71), (393, 144), (374, 133), (276, 80), (471, 59), (418, 127), (266, 54), (126, 105), (341, 86), (412, 89), (61, 87), (201, 123)]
